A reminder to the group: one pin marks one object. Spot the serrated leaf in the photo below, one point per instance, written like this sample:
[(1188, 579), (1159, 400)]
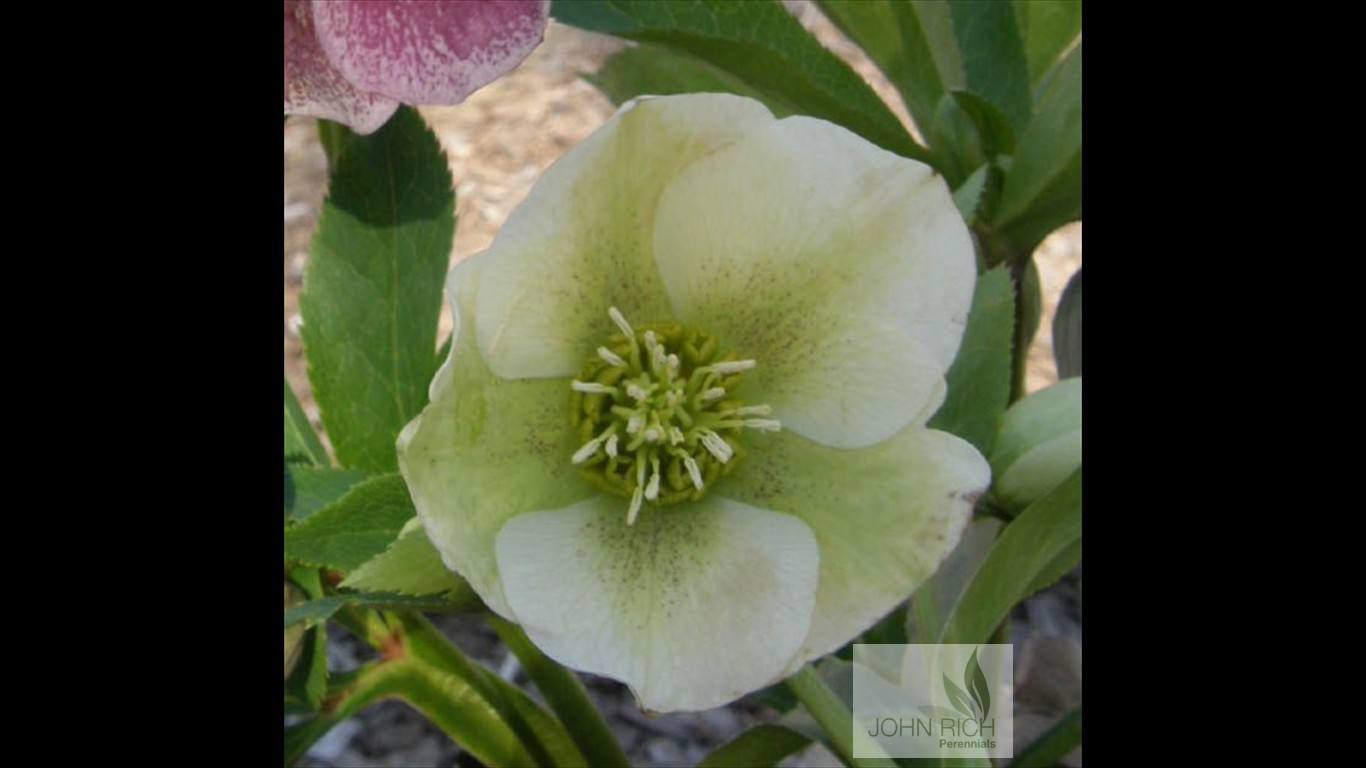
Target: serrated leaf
[(992, 52), (372, 292), (656, 70), (354, 528), (315, 612), (1032, 297), (968, 196), (976, 683), (300, 440), (1048, 27), (979, 379), (762, 46), (994, 133), (1043, 188), (760, 746), (913, 45), (315, 487), (410, 566), (1067, 329), (957, 145), (1030, 545)]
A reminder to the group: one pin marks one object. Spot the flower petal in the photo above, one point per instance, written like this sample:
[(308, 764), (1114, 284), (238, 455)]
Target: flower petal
[(580, 242), (885, 516), (429, 52), (692, 606), (485, 449), (844, 270), (314, 87)]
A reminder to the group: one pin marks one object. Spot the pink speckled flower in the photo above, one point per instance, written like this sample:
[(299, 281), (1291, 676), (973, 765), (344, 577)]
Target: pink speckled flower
[(356, 61)]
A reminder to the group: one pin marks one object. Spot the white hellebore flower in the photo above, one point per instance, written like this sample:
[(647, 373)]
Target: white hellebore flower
[(680, 437)]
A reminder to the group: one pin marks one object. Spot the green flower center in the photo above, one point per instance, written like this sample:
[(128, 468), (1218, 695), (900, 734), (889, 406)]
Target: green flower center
[(655, 410)]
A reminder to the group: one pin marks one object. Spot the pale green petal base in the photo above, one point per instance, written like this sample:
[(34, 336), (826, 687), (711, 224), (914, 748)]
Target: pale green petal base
[(580, 242), (692, 607), (845, 271), (485, 449), (884, 516)]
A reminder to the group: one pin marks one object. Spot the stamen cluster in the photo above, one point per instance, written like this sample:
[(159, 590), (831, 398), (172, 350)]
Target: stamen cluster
[(656, 414)]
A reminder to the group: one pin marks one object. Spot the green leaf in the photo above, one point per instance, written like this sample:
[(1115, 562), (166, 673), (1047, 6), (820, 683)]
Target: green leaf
[(315, 612), (763, 47), (443, 351), (992, 51), (1067, 329), (314, 488), (976, 683), (1031, 545), (1058, 567), (451, 703), (1053, 745), (567, 697), (301, 442), (979, 379), (762, 745), (934, 601), (294, 636), (994, 133), (1049, 27), (913, 45), (1043, 188), (1038, 423), (1032, 296), (372, 292), (957, 144), (410, 566), (968, 196), (537, 730), (354, 528), (300, 736), (654, 69), (308, 682)]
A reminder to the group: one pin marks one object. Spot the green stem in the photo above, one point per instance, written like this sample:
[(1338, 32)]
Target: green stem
[(452, 707), (831, 715), (458, 694), (566, 696), (422, 640)]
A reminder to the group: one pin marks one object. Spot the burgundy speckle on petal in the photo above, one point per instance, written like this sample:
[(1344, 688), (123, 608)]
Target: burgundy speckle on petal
[(427, 52), (314, 87)]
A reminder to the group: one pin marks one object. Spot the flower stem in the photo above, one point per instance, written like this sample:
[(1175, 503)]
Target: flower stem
[(833, 717), (566, 696), (487, 716)]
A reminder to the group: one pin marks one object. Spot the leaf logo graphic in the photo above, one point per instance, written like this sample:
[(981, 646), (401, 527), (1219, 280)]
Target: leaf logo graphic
[(976, 703)]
